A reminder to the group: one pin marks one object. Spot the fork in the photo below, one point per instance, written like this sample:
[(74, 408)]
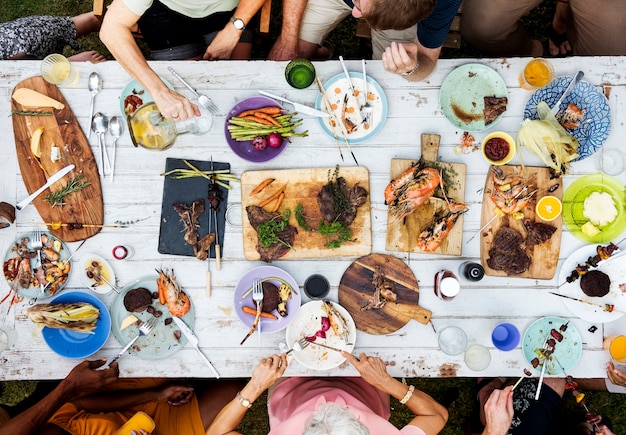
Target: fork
[(367, 111), (257, 296), (144, 329), (204, 101), (299, 345)]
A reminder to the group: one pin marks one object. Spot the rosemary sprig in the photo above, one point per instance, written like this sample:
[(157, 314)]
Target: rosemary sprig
[(131, 222), (30, 113), (75, 184)]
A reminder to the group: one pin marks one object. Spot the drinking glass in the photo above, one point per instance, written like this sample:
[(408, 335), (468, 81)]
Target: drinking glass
[(316, 287), (477, 357), (611, 161), (616, 346), (452, 340), (505, 336), (58, 70), (300, 73), (537, 73)]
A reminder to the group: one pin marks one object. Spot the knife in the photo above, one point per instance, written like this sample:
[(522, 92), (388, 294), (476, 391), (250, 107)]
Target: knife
[(53, 179), (555, 109), (329, 347), (193, 340), (300, 108)]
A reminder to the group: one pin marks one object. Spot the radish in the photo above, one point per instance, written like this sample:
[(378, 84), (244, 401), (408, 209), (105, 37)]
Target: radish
[(259, 143), (274, 140)]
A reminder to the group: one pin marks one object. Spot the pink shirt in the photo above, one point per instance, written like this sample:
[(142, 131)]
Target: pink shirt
[(295, 399)]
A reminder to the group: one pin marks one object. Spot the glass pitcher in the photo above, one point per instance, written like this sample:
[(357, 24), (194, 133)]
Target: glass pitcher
[(149, 129)]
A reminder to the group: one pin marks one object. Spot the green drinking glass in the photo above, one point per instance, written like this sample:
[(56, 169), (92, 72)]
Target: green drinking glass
[(300, 73)]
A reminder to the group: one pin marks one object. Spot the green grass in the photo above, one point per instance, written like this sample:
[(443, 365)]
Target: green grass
[(343, 38)]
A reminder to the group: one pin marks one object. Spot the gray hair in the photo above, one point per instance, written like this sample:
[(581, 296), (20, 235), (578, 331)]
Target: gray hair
[(334, 419)]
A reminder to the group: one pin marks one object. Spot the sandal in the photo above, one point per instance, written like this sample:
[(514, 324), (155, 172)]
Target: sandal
[(557, 39)]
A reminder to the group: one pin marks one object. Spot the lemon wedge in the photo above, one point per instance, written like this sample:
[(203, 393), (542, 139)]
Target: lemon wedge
[(35, 142)]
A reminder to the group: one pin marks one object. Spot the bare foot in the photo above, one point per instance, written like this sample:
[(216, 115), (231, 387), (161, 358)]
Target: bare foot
[(537, 50), (88, 56)]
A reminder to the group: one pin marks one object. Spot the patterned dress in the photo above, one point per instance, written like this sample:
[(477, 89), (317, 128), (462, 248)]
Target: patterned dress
[(37, 36)]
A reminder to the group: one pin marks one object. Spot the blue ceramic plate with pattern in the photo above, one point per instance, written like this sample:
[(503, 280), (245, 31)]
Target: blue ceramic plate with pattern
[(594, 128), (567, 352)]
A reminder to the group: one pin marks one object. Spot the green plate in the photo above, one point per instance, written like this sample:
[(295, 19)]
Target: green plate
[(573, 206), (462, 92), (566, 354)]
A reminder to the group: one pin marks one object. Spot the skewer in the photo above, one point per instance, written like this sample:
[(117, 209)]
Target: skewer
[(81, 225), (604, 307), (208, 258), (337, 121), (218, 248), (540, 383), (373, 269)]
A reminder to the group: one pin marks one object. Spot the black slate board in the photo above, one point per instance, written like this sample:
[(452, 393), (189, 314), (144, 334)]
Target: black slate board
[(188, 190)]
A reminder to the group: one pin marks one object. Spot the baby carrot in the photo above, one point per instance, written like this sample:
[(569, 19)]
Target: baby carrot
[(278, 202), (262, 185), (257, 119), (250, 310), (268, 118), (273, 197), (270, 110)]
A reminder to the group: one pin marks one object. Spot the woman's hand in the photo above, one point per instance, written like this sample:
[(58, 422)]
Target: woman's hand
[(616, 376), (174, 106), (268, 371), (372, 369), (175, 395)]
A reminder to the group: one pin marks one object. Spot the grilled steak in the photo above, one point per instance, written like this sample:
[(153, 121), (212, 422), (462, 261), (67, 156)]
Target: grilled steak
[(506, 253), (537, 232), (494, 107), (137, 300), (338, 202), (258, 216), (595, 283)]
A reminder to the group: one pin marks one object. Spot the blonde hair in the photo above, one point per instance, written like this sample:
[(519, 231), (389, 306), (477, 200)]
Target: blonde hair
[(334, 419)]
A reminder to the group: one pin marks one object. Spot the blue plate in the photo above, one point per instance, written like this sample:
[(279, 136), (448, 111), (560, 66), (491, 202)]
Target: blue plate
[(72, 344), (594, 129), (335, 90), (566, 354)]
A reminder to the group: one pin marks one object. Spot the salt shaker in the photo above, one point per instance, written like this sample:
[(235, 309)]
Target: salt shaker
[(446, 285)]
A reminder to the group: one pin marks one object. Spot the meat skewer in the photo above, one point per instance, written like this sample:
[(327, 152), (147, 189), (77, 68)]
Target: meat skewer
[(609, 308)]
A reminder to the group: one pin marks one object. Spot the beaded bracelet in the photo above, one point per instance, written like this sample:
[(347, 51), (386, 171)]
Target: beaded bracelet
[(413, 71), (408, 394)]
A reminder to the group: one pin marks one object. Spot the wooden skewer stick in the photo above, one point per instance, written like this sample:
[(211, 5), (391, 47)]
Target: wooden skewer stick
[(330, 112), (590, 303), (81, 225)]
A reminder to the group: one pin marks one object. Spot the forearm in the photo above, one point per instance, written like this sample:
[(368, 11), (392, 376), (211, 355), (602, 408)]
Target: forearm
[(231, 415), (115, 401), (427, 59), (293, 11)]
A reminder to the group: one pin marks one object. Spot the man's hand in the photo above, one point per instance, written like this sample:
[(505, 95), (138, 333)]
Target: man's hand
[(400, 58), (616, 376), (283, 50), (372, 369), (223, 44), (175, 395), (86, 379), (499, 412)]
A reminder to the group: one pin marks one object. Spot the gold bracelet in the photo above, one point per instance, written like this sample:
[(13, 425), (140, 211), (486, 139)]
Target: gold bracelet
[(408, 394)]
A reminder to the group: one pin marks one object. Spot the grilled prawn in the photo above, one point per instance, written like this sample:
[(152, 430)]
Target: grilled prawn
[(170, 294), (411, 189)]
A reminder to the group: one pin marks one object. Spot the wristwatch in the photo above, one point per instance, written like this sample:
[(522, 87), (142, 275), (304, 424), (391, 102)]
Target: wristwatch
[(238, 23), (244, 402)]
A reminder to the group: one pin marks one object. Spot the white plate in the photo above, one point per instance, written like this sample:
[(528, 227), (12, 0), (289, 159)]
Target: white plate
[(106, 271), (616, 271), (308, 322)]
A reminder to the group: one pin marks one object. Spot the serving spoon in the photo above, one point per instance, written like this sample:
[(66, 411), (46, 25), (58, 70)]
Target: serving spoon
[(94, 84), (116, 127), (99, 125)]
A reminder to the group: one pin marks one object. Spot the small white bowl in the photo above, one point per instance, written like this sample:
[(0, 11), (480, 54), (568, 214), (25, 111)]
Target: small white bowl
[(86, 263)]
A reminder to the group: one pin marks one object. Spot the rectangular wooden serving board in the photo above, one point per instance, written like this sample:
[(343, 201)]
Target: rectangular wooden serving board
[(302, 187)]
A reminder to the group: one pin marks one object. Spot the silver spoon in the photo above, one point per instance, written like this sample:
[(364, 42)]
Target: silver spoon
[(116, 127), (99, 125), (94, 84)]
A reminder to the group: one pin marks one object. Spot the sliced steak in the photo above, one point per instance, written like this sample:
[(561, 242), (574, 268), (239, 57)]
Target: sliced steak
[(537, 232), (493, 107), (257, 216)]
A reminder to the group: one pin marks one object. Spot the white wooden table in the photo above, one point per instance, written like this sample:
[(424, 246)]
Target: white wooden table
[(413, 109)]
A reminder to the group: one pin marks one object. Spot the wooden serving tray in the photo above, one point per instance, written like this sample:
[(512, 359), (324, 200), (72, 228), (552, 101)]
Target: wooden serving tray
[(402, 234), (303, 186), (62, 128), (544, 257)]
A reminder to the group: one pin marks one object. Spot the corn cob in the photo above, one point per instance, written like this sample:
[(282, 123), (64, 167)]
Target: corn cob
[(76, 316)]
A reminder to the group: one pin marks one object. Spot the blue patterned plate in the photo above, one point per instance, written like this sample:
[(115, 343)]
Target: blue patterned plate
[(594, 129)]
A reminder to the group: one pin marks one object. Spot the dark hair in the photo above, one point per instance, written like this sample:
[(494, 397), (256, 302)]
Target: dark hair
[(397, 14)]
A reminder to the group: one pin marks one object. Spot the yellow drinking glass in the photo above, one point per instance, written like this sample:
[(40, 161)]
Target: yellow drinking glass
[(616, 346), (537, 73), (58, 70)]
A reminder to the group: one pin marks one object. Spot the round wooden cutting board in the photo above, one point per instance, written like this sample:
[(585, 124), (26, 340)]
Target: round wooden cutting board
[(356, 290)]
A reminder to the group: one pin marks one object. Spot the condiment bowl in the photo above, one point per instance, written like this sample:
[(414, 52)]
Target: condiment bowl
[(493, 148)]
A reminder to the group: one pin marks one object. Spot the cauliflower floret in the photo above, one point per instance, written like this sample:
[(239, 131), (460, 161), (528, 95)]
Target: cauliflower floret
[(599, 208)]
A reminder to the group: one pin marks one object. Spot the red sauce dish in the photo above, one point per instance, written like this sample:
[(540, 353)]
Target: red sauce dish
[(498, 148)]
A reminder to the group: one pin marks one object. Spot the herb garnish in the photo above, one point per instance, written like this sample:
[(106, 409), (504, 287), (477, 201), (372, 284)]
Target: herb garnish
[(267, 231), (74, 185), (30, 113), (336, 228), (301, 218)]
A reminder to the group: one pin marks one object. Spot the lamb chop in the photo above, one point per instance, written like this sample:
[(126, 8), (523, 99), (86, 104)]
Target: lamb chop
[(338, 202), (258, 216), (189, 216)]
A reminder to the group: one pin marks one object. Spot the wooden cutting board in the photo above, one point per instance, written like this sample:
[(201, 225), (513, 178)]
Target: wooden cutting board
[(544, 257), (356, 290), (303, 186), (62, 128), (402, 234)]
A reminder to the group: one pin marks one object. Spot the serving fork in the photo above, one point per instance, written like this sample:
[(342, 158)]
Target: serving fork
[(203, 100), (257, 296), (144, 329)]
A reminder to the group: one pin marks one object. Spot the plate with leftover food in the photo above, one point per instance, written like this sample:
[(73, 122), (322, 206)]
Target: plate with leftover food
[(134, 95), (140, 299), (95, 271), (600, 285), (75, 344), (568, 345), (593, 208), (281, 298), (249, 149), (473, 97), (346, 107), (324, 322), (23, 270), (585, 112)]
